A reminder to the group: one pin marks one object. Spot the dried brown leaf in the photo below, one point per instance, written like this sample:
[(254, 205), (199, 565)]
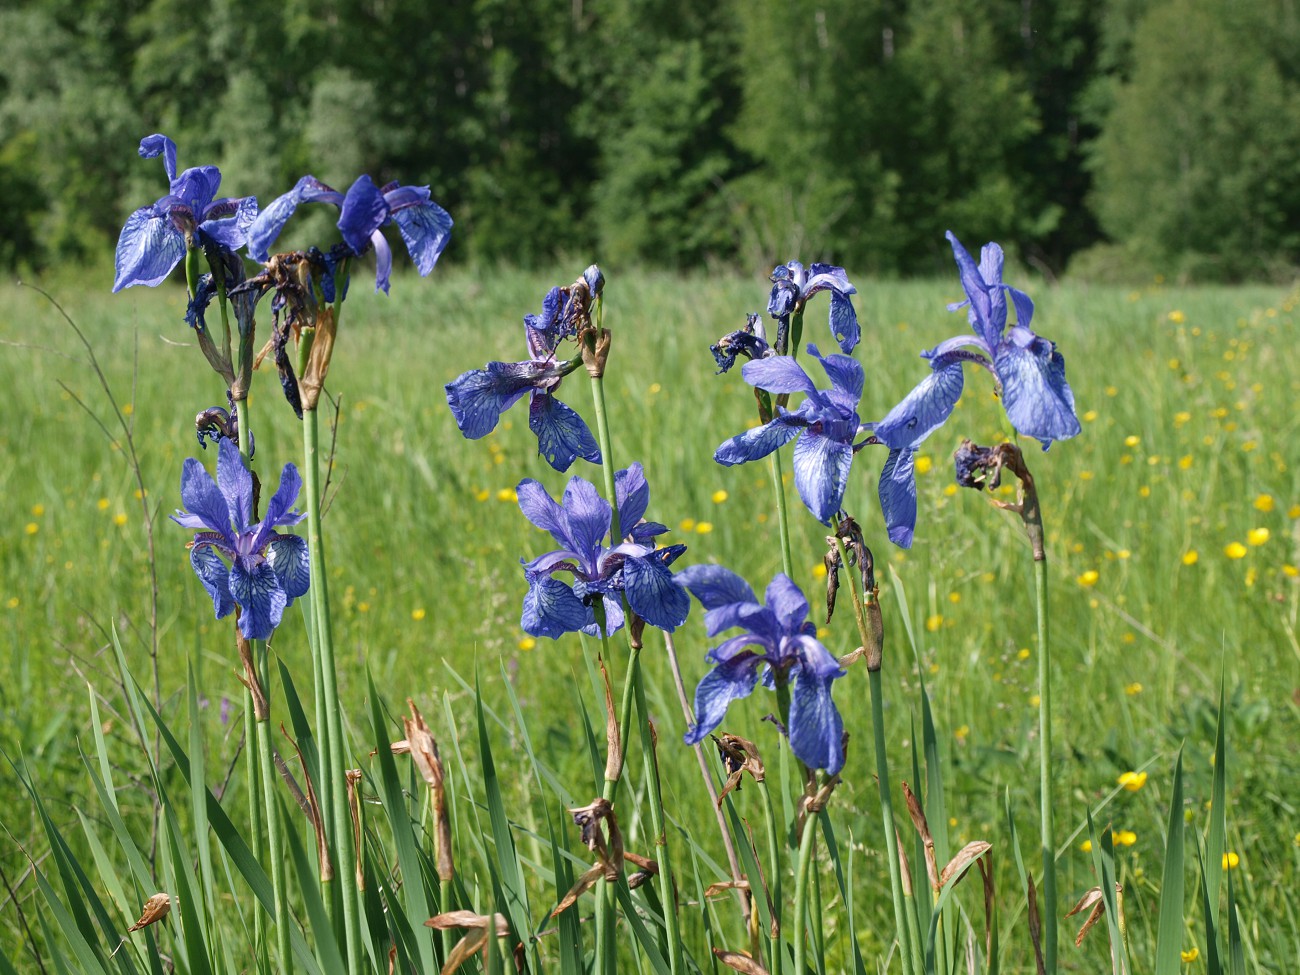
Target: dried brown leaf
[(923, 829), (739, 961), (1035, 927), (155, 909), (956, 867)]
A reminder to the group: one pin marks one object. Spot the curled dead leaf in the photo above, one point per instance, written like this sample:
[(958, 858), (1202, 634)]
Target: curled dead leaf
[(155, 909)]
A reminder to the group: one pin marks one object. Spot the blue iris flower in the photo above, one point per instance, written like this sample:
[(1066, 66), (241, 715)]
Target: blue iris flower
[(156, 237), (633, 567), (268, 570), (779, 636), (792, 286), (1027, 367), (825, 423), (363, 210), (478, 397)]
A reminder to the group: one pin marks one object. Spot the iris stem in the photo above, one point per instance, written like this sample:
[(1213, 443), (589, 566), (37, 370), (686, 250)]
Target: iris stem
[(782, 514), (806, 843), (279, 882), (860, 603), (332, 774), (1044, 767)]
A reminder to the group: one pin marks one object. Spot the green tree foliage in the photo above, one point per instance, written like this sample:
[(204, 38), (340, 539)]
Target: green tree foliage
[(669, 133), (1199, 158)]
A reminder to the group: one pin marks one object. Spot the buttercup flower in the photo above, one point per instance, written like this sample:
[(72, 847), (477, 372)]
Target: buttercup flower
[(425, 226), (792, 286), (779, 636), (478, 397), (268, 570), (633, 567), (825, 423), (1027, 367), (156, 237)]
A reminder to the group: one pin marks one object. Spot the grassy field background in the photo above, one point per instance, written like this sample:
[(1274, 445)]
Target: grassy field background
[(1173, 528)]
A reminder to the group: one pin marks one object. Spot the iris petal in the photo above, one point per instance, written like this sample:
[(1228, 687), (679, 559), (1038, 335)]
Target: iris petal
[(363, 212), (587, 517), (1037, 398), (821, 473), (816, 728), (148, 248), (203, 499), (633, 494), (761, 441), (715, 586), (725, 683), (562, 435), (551, 609), (236, 483), (425, 228), (478, 397), (923, 410), (654, 594), (291, 564), (777, 374), (214, 575), (844, 322), (787, 601), (898, 496), (258, 592)]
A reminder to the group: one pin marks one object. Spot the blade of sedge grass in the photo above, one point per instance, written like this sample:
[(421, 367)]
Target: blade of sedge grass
[(109, 798), (570, 942), (1169, 934), (322, 929), (181, 884), (649, 944), (109, 874), (845, 886), (1236, 946), (1218, 827), (198, 809), (88, 962), (514, 891), (125, 841), (749, 863), (83, 899), (415, 904), (1103, 861), (302, 730), (1213, 966)]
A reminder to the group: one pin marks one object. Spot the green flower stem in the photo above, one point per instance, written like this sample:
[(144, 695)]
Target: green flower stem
[(254, 810), (332, 774), (279, 883), (774, 874), (801, 896), (782, 514), (1044, 767), (860, 603), (632, 688)]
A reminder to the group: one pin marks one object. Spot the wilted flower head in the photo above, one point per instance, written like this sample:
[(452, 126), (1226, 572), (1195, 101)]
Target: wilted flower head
[(363, 210), (1027, 368), (792, 286), (268, 570), (750, 341), (778, 636), (478, 397), (156, 237), (825, 423), (632, 567)]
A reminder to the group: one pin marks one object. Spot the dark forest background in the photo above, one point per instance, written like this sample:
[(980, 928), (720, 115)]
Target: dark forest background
[(1114, 138)]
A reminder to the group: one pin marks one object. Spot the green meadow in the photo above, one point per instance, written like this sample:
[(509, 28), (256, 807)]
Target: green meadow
[(1173, 527)]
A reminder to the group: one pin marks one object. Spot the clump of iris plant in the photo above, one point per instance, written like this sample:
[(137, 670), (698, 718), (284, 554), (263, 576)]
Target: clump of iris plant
[(826, 423), (633, 567), (188, 217), (365, 209), (478, 397), (793, 285), (1029, 372), (777, 643), (267, 569)]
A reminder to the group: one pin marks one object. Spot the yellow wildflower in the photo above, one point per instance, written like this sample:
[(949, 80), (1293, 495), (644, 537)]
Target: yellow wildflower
[(923, 464), (1190, 557), (1123, 837), (527, 643), (819, 571), (418, 614), (1132, 781), (1258, 536), (1235, 550), (1023, 654), (1264, 502), (1089, 578), (120, 519), (1190, 955), (1132, 440), (932, 623), (1176, 317), (1230, 861), (703, 527), (1133, 689), (507, 494), (1086, 846), (719, 496), (32, 528)]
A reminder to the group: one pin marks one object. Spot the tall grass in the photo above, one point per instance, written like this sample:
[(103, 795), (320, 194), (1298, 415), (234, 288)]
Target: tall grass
[(1189, 446)]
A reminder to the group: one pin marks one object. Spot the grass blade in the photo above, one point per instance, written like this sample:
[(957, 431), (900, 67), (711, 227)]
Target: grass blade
[(1169, 935)]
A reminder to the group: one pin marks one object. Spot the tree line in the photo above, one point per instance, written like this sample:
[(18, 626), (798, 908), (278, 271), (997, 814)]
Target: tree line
[(1108, 136)]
